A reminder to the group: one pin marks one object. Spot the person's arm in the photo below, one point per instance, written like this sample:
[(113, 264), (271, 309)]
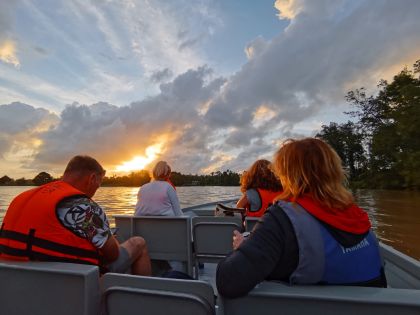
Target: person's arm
[(253, 261), (137, 209), (110, 250), (173, 198), (243, 202), (90, 224)]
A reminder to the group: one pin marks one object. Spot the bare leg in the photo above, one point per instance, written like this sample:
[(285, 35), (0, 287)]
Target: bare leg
[(137, 249)]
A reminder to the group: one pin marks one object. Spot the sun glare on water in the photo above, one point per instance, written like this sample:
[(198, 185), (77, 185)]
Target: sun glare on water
[(140, 162)]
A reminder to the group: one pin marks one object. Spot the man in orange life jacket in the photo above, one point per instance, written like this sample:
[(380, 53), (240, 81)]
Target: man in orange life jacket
[(60, 222)]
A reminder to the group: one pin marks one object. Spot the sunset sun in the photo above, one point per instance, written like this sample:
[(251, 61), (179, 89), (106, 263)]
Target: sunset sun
[(139, 162)]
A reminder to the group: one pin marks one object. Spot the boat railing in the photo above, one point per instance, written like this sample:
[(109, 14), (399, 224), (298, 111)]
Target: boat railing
[(402, 271), (60, 288)]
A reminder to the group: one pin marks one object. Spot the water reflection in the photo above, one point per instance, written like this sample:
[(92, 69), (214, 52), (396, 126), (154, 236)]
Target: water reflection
[(394, 214), (122, 200), (395, 217)]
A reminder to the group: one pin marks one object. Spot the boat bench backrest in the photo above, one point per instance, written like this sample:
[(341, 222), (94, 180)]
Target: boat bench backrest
[(127, 294), (402, 271), (39, 288), (213, 236), (277, 298), (167, 238), (206, 209), (250, 222)]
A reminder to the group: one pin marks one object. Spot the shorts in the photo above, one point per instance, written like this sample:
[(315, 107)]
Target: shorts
[(123, 262)]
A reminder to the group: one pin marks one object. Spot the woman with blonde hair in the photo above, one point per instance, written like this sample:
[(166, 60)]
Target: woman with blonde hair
[(313, 234), (259, 186), (159, 196)]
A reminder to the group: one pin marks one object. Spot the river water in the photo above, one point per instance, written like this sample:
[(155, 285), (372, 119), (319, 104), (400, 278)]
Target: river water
[(395, 215)]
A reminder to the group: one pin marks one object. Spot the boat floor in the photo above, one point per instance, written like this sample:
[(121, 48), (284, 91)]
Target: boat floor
[(208, 274)]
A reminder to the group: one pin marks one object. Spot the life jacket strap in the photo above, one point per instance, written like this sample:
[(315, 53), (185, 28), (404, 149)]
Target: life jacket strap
[(31, 240)]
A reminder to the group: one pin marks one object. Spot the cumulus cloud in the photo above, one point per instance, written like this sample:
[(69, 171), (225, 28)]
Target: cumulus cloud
[(288, 9), (21, 126), (8, 53), (205, 122), (256, 47), (111, 132), (317, 60), (161, 75)]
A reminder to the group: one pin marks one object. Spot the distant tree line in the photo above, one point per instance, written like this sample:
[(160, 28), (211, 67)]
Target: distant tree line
[(136, 179), (40, 179), (381, 147), (226, 178)]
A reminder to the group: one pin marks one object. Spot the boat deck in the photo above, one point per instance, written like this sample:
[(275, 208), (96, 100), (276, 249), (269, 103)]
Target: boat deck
[(68, 289)]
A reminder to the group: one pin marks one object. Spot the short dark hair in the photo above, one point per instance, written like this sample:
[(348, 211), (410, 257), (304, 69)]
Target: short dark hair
[(84, 164)]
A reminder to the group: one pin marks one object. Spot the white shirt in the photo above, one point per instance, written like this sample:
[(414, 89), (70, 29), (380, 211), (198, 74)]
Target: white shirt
[(157, 198)]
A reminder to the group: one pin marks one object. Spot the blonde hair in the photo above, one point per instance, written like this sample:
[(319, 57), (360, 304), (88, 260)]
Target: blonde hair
[(161, 171), (311, 167)]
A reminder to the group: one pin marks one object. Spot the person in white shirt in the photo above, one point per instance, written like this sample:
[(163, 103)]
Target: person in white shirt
[(159, 196)]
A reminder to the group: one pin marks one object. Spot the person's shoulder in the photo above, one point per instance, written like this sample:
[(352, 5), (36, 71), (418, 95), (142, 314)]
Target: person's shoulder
[(276, 211), (252, 190), (77, 201), (146, 185), (252, 194)]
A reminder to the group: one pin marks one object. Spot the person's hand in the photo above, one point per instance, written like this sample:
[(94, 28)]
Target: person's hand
[(237, 239)]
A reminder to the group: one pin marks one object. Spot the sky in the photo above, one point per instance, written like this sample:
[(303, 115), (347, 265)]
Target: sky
[(206, 85)]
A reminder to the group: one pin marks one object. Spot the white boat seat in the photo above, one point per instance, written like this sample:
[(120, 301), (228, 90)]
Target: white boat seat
[(40, 288), (127, 294), (213, 238), (167, 238)]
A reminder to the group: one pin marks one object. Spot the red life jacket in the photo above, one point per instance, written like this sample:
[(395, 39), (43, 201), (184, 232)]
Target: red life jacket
[(266, 197), (353, 219), (31, 229)]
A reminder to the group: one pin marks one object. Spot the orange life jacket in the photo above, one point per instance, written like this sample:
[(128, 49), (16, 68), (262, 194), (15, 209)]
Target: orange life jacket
[(266, 197), (31, 229)]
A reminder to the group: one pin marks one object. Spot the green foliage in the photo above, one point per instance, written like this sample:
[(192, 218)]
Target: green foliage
[(382, 149), (6, 180), (23, 182), (134, 179), (348, 143), (226, 178), (42, 178), (137, 179)]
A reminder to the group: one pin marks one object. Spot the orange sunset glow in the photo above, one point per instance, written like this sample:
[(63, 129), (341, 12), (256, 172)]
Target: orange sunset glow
[(139, 162)]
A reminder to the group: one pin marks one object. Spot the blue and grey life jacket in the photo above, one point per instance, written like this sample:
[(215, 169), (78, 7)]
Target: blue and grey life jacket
[(323, 260)]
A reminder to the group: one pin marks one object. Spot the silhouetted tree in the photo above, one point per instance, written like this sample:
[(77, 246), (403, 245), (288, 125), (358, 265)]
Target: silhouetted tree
[(6, 180), (42, 178)]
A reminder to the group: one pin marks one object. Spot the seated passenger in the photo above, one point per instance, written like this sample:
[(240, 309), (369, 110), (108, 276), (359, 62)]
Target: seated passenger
[(159, 196), (313, 234), (60, 222), (259, 187)]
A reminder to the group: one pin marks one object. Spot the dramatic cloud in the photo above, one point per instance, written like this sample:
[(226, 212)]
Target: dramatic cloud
[(111, 132), (8, 53), (288, 9), (317, 60), (202, 121), (20, 129), (8, 49), (162, 75)]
